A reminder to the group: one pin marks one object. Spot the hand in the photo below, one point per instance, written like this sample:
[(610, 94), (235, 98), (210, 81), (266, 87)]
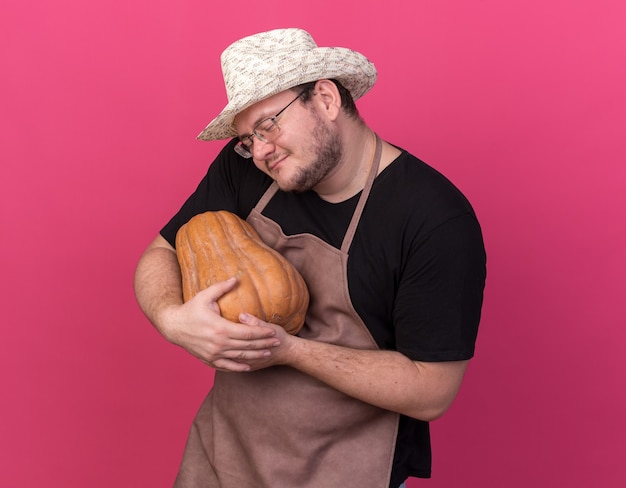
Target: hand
[(198, 327), (282, 353)]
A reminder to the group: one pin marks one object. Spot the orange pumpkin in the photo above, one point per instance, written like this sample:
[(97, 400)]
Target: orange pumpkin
[(215, 246)]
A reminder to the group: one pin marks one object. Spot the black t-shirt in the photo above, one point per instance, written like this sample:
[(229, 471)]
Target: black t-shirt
[(416, 266)]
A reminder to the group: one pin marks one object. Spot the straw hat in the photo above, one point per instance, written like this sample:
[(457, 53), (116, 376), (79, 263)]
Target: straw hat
[(262, 65)]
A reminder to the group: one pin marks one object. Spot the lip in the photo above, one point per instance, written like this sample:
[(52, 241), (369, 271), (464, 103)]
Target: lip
[(276, 162)]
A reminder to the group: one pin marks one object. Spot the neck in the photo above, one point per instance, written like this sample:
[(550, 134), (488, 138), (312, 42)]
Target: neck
[(350, 175)]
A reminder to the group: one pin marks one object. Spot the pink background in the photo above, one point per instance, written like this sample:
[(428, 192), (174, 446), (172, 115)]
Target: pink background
[(521, 103)]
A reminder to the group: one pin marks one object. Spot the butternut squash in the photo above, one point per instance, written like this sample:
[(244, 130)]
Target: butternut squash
[(215, 246)]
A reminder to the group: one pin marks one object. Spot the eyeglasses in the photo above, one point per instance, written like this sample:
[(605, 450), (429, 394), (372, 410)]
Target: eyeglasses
[(264, 131)]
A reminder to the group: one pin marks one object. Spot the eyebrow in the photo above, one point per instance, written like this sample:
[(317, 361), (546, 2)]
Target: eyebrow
[(261, 119), (256, 123)]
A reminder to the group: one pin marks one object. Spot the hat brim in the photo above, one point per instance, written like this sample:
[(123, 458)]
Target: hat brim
[(353, 70)]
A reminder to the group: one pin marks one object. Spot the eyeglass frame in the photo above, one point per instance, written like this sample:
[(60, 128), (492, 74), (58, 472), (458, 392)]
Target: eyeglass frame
[(245, 150)]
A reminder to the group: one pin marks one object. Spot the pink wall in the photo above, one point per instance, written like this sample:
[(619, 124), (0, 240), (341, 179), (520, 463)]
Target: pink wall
[(521, 103)]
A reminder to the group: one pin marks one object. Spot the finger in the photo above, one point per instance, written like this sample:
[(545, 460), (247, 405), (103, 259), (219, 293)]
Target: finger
[(246, 318), (245, 356), (256, 323), (230, 365), (250, 337), (216, 290), (250, 345)]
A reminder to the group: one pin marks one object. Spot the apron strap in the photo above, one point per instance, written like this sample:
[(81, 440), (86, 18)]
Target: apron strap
[(347, 240), (267, 196)]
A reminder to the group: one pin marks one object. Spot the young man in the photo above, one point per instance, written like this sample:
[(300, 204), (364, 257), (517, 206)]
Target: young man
[(393, 258)]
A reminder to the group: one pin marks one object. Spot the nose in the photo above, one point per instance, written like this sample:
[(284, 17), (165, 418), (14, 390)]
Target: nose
[(262, 149)]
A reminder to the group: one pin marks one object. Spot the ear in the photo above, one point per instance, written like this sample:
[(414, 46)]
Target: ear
[(329, 98)]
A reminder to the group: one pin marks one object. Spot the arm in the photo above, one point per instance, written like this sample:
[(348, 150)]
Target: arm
[(387, 379), (196, 325)]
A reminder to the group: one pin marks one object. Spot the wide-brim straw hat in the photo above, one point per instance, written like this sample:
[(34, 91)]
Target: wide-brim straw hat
[(262, 65)]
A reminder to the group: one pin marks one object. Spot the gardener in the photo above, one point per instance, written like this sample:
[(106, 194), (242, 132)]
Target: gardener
[(393, 258)]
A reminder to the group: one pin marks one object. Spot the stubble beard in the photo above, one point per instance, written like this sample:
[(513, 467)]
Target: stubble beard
[(328, 150)]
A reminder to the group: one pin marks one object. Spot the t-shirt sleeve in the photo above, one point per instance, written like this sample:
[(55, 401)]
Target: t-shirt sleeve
[(440, 294), (232, 183)]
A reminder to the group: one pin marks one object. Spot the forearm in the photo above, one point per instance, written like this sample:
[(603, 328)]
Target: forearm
[(387, 379), (196, 325), (158, 282)]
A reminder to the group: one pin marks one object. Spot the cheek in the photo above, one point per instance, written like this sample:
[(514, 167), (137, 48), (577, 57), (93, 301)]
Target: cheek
[(298, 139), (297, 129)]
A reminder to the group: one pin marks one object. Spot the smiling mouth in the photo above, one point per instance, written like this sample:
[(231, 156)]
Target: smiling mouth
[(271, 165)]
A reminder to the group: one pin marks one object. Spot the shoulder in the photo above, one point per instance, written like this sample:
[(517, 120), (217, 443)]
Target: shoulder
[(409, 192), (411, 173)]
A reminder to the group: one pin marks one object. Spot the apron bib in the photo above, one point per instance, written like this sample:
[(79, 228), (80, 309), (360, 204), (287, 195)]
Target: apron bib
[(279, 428)]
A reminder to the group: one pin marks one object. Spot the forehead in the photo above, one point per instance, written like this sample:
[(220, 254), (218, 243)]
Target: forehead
[(245, 120)]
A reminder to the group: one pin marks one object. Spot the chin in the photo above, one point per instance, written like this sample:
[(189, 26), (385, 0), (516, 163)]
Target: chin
[(286, 182), (296, 179), (289, 187)]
